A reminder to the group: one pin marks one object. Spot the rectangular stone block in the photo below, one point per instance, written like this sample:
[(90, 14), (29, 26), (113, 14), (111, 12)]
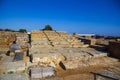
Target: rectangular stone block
[(42, 72), (13, 67), (14, 77)]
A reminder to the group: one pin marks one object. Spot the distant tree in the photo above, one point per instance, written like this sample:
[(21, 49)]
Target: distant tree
[(22, 30), (48, 27), (1, 29), (9, 30)]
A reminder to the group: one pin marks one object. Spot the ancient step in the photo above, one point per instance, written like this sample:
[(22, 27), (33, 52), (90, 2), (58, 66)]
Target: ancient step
[(112, 72), (46, 58), (72, 64), (41, 72)]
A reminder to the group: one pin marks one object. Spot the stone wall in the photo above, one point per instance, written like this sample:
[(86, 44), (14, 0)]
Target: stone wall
[(114, 49), (6, 39)]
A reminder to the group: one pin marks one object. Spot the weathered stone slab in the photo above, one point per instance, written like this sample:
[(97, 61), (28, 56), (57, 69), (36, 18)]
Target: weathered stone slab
[(13, 67), (22, 38), (94, 53), (41, 72), (47, 58), (77, 56), (14, 77), (8, 59), (72, 64), (14, 47), (112, 73), (18, 56)]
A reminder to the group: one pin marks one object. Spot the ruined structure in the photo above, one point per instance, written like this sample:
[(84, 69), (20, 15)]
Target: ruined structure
[(54, 39), (6, 39), (53, 55)]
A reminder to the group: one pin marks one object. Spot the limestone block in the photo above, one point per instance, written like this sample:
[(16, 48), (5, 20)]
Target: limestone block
[(14, 47), (14, 76), (18, 66), (22, 38), (47, 58), (104, 62), (77, 56), (42, 72)]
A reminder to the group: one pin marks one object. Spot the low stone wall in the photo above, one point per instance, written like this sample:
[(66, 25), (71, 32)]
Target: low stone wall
[(114, 49)]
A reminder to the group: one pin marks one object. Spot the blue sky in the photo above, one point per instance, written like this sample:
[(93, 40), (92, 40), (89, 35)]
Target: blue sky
[(81, 16)]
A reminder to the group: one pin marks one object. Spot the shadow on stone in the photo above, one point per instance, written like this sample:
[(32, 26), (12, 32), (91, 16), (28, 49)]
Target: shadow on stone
[(31, 58), (30, 73), (100, 48), (8, 53), (62, 65)]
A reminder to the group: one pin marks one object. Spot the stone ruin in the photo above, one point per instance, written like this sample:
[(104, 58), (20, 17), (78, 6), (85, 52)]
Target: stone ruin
[(54, 39), (6, 39), (54, 48), (94, 40), (46, 54), (14, 46)]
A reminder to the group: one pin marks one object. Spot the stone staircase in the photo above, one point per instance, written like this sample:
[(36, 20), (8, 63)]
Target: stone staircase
[(54, 39)]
